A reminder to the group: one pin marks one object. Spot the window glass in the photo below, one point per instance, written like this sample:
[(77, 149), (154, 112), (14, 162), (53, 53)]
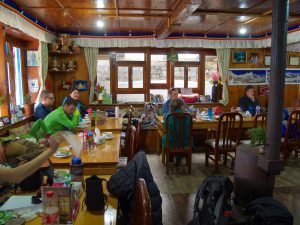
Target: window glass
[(179, 76), (211, 65), (162, 92), (103, 72), (188, 57), (137, 76), (123, 76), (130, 56), (158, 69), (18, 76), (192, 77), (130, 97)]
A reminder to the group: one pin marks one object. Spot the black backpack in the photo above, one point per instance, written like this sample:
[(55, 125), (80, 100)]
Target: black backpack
[(267, 211), (213, 202), (95, 199)]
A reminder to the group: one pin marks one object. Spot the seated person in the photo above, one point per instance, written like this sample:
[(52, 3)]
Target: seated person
[(46, 105), (64, 117), (16, 175), (173, 94), (176, 105), (74, 94), (248, 102)]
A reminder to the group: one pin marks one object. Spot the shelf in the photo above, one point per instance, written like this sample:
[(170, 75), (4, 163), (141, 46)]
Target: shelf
[(64, 71), (63, 53)]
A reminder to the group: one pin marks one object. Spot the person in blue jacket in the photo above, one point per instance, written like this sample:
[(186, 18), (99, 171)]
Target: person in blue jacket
[(249, 102), (74, 94), (46, 105), (173, 94)]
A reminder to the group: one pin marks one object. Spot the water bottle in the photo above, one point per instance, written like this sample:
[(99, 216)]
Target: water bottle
[(50, 209), (76, 169), (257, 110), (210, 113), (116, 112)]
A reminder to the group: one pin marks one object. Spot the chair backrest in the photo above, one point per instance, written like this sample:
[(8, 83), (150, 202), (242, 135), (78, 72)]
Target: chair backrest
[(138, 134), (142, 204), (132, 143), (293, 127), (179, 131), (229, 130), (260, 120)]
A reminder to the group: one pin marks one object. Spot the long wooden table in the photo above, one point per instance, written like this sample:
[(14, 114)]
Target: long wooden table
[(111, 124), (103, 161), (109, 217)]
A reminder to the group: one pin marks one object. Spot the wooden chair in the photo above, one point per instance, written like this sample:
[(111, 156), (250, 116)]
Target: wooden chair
[(132, 143), (138, 135), (142, 205), (178, 129), (260, 121), (127, 133), (227, 138), (292, 135)]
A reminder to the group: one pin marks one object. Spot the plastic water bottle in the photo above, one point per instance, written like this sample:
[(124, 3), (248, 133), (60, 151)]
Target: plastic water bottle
[(257, 110), (76, 169), (116, 112), (50, 209), (210, 113)]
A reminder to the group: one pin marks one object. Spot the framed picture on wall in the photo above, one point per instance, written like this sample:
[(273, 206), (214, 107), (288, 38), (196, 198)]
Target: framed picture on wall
[(267, 60), (294, 61), (254, 58), (239, 57), (32, 58), (5, 120)]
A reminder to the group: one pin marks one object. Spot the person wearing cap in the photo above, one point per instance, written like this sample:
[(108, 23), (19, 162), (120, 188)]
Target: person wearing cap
[(17, 174)]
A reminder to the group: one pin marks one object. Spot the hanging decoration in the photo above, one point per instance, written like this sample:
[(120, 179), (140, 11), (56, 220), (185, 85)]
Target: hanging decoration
[(66, 85)]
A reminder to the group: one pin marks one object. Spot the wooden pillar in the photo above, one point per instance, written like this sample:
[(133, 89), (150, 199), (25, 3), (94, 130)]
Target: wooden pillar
[(3, 85)]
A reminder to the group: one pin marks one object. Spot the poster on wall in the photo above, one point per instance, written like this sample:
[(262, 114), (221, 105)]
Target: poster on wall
[(263, 90), (66, 85), (81, 85), (247, 76), (33, 85), (32, 58), (292, 76)]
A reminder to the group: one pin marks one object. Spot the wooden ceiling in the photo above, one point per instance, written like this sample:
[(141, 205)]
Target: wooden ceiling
[(159, 17)]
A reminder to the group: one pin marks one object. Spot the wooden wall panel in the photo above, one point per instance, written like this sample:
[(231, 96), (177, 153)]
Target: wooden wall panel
[(3, 85), (56, 78), (291, 92)]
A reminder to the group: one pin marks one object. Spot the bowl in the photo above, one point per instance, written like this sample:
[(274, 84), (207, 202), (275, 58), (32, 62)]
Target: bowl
[(99, 140)]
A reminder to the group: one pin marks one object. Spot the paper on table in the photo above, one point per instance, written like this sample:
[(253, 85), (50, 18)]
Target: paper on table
[(16, 202), (74, 141)]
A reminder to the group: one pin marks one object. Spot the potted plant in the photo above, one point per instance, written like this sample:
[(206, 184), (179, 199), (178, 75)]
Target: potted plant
[(2, 99), (258, 137), (100, 91), (28, 106)]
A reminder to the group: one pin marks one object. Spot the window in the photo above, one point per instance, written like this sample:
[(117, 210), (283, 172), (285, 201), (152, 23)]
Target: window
[(18, 76), (130, 97), (130, 57), (186, 57), (211, 65), (186, 75), (158, 69), (103, 72)]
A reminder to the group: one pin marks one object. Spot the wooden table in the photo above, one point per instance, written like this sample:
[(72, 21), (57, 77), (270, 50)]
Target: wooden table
[(109, 217), (111, 124), (104, 161)]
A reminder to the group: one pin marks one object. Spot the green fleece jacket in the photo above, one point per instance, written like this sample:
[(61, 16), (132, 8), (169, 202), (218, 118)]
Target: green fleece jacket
[(58, 120)]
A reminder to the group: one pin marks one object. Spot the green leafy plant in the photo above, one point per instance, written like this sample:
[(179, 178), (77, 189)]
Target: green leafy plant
[(2, 99), (27, 99), (258, 136)]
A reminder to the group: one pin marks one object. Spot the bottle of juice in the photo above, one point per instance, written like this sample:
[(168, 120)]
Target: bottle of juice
[(50, 209)]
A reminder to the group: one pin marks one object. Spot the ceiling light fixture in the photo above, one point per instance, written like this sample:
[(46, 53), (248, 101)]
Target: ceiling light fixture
[(243, 30), (100, 23), (100, 4)]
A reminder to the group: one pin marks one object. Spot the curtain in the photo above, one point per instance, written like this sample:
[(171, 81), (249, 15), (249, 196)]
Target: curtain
[(16, 20), (223, 55), (91, 55), (43, 66)]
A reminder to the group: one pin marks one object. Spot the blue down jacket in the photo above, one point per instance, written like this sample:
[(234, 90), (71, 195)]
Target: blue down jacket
[(123, 183)]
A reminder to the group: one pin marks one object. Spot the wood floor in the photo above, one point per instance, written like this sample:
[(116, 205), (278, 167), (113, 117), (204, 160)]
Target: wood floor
[(178, 190)]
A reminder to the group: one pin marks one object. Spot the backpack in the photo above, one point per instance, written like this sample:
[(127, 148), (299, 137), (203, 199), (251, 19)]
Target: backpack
[(95, 199), (265, 211), (213, 202)]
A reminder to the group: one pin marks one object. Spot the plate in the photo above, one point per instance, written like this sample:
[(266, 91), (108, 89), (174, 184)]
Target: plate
[(82, 125), (109, 137), (59, 155), (64, 149)]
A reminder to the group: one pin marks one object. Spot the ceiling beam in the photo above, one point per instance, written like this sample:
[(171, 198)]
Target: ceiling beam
[(95, 8), (224, 13), (181, 12)]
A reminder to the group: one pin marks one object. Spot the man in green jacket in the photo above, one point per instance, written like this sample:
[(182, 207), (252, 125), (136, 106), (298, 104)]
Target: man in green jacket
[(64, 117)]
